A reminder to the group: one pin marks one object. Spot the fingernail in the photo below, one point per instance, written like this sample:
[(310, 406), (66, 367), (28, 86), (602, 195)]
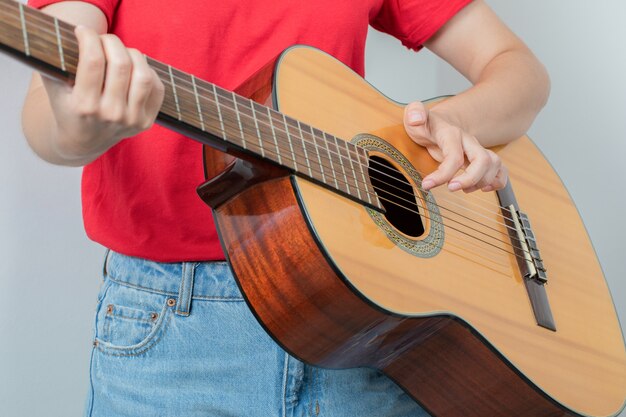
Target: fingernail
[(454, 186), (415, 117), (428, 184)]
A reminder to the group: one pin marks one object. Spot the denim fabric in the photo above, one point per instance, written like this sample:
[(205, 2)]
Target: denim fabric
[(179, 340)]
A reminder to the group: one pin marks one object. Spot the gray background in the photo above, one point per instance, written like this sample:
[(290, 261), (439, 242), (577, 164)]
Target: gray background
[(49, 270)]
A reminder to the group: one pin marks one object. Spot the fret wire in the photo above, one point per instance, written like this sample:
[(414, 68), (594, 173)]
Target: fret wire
[(330, 158), (177, 101), (358, 190), (341, 163), (224, 102), (243, 139), (269, 117), (195, 93), (319, 158), (260, 136), (306, 153), (219, 104), (256, 126), (59, 43), (219, 111), (275, 139), (361, 164), (24, 32), (307, 159), (312, 174), (64, 29), (295, 163), (304, 141), (221, 119), (169, 67)]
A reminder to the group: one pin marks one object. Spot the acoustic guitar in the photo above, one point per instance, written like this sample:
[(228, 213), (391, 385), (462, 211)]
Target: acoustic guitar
[(486, 304)]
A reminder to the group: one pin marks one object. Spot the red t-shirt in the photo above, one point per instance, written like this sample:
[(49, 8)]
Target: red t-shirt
[(139, 197)]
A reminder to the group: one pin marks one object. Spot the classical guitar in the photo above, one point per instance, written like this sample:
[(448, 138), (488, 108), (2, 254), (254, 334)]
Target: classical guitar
[(487, 304)]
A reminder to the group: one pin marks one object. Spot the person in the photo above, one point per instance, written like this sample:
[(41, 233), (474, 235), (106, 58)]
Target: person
[(173, 335)]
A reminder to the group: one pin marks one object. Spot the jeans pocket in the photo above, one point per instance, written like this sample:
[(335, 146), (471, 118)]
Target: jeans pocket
[(129, 322)]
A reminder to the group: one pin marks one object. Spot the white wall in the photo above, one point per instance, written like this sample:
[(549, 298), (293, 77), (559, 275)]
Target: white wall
[(49, 271)]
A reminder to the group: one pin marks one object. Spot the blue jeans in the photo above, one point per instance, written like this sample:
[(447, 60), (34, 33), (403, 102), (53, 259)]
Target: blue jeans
[(179, 340)]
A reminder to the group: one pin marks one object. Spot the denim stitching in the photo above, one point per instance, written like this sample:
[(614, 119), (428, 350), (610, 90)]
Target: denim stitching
[(144, 346), (285, 375), (119, 316)]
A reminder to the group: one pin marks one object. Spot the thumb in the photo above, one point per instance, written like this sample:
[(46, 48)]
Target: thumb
[(415, 114), (415, 122)]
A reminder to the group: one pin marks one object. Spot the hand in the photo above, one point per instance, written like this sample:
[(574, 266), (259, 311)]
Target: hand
[(454, 149), (115, 95)]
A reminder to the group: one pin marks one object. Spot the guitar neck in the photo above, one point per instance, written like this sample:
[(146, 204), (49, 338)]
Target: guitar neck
[(202, 110)]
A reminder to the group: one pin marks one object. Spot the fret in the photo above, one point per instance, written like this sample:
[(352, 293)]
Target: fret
[(262, 115), (288, 137), (363, 163), (343, 169), (293, 154), (269, 117), (232, 120), (250, 126), (195, 93), (169, 68), (209, 110), (265, 129), (60, 44), (243, 139), (306, 154), (358, 189), (295, 145), (219, 111), (330, 158), (256, 126), (319, 157), (24, 32)]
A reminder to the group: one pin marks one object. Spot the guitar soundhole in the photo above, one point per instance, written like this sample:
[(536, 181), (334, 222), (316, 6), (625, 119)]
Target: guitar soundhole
[(396, 194)]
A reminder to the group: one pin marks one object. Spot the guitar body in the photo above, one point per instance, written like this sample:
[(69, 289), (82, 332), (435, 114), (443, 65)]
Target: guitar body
[(445, 308), (444, 314)]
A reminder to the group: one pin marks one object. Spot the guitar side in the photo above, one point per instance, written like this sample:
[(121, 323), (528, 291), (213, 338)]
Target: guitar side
[(455, 330)]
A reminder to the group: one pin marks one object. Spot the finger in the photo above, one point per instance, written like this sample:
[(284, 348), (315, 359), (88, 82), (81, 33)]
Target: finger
[(452, 162), (155, 100), (90, 69), (490, 175), (141, 84), (117, 78), (479, 164), (415, 114), (415, 122)]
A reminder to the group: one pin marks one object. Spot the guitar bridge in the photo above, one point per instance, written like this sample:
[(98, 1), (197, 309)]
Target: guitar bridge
[(528, 247), (528, 257)]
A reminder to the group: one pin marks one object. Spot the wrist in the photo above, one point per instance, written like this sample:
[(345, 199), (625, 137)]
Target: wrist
[(444, 112), (76, 150)]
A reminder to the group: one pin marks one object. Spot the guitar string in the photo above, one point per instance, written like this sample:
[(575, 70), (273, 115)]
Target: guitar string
[(338, 176), (356, 179), (72, 41), (486, 234), (339, 155)]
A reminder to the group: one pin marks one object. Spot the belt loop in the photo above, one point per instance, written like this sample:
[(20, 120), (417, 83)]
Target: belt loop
[(185, 292)]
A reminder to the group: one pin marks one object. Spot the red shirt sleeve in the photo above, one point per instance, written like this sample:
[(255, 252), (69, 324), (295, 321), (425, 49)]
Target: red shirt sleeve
[(107, 6), (415, 21)]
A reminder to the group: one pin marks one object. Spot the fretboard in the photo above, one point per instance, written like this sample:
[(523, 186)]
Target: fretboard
[(208, 113)]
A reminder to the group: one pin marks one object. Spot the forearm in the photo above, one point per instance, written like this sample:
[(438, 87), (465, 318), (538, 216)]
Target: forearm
[(503, 102)]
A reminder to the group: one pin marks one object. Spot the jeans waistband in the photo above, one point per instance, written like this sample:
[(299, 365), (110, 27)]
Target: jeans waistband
[(183, 281)]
